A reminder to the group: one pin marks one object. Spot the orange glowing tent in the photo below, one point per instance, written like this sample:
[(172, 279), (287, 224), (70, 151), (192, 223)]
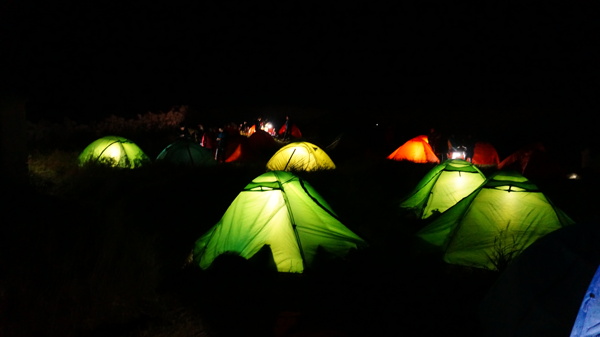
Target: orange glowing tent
[(417, 150)]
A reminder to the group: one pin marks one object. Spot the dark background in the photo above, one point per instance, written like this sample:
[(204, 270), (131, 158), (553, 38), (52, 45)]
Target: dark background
[(509, 68), (491, 61)]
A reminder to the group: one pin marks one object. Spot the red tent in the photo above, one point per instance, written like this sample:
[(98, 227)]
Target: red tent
[(485, 154), (258, 146), (535, 161), (295, 132)]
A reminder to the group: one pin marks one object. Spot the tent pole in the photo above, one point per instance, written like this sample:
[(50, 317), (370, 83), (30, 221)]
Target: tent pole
[(293, 222), (289, 160)]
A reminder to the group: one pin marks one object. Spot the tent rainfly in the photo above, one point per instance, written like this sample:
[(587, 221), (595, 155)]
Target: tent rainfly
[(260, 145), (294, 131), (442, 187), (114, 151), (186, 152), (283, 212), (417, 150), (536, 161), (300, 156), (494, 223), (485, 155)]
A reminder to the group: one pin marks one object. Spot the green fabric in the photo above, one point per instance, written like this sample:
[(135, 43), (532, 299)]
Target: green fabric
[(186, 152), (282, 211), (300, 156), (502, 217), (114, 151), (442, 187)]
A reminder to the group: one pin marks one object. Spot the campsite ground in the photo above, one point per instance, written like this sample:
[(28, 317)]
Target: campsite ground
[(104, 254)]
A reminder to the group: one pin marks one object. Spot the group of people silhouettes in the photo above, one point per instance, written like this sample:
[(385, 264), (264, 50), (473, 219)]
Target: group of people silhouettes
[(215, 138)]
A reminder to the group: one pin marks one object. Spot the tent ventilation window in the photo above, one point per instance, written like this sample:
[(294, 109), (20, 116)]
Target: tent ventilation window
[(262, 188)]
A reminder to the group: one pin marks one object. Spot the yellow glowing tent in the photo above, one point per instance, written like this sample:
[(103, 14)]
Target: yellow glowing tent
[(300, 156)]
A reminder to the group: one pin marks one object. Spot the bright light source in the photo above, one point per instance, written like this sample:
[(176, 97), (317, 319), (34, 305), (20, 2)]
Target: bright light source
[(113, 151), (458, 155)]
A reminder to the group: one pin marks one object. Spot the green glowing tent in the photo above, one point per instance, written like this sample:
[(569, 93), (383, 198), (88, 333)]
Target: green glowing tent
[(186, 152), (283, 212), (114, 151), (442, 187), (494, 223), (300, 156)]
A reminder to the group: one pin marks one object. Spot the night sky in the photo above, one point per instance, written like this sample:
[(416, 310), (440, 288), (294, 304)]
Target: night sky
[(85, 60)]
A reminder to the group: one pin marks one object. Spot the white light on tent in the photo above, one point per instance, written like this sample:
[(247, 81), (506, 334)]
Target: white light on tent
[(458, 155), (459, 181), (114, 151)]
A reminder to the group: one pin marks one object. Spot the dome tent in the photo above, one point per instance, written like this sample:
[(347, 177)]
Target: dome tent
[(257, 147), (294, 131), (494, 223), (417, 150), (114, 151), (283, 212), (442, 187), (300, 156), (187, 153), (538, 161), (485, 155)]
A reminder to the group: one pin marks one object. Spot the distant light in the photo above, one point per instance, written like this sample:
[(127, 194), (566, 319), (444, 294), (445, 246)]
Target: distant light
[(574, 176), (459, 155)]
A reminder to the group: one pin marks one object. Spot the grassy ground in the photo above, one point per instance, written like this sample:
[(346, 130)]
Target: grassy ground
[(98, 252)]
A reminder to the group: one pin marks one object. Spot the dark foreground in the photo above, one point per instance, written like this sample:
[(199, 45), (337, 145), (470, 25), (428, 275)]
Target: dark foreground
[(104, 254)]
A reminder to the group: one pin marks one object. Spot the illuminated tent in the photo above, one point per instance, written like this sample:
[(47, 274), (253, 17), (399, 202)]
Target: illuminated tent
[(283, 212), (485, 154), (417, 150), (186, 152), (546, 291), (300, 156), (442, 187), (494, 223), (114, 151)]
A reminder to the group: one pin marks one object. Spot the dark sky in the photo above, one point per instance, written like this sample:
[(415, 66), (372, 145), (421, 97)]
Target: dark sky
[(86, 60)]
